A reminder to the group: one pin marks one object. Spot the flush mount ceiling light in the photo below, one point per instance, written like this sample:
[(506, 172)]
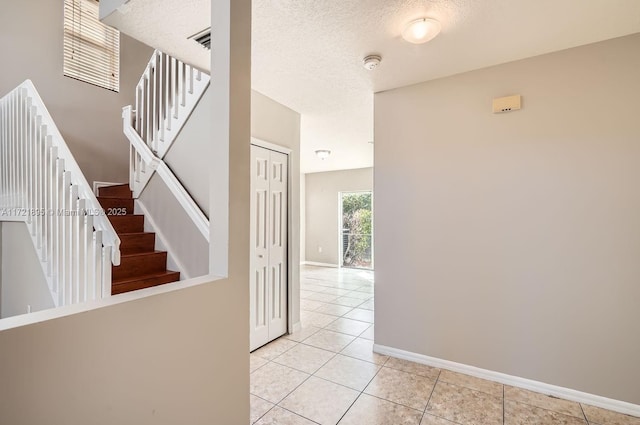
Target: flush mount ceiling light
[(421, 30), (323, 154)]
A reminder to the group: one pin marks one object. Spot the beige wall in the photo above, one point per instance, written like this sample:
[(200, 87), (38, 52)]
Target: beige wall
[(167, 359), (275, 123), (178, 357), (88, 117), (322, 216), (511, 242), (176, 233), (22, 281), (191, 152)]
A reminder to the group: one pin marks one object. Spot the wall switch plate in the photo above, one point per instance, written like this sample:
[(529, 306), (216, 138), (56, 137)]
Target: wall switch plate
[(507, 104), (320, 249)]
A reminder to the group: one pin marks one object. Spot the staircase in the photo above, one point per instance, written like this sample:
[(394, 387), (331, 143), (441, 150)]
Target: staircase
[(141, 266), (87, 255)]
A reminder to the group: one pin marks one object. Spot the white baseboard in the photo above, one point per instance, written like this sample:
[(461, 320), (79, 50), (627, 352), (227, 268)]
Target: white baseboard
[(296, 327), (13, 218), (314, 263), (515, 381)]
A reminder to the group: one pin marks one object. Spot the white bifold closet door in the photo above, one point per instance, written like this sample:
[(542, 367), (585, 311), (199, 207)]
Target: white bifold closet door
[(268, 278)]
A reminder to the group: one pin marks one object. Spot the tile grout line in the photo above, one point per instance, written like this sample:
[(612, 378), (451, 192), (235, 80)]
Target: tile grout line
[(360, 393), (297, 414), (586, 421), (424, 412), (547, 409), (503, 404), (265, 413), (313, 373), (259, 367), (394, 402)]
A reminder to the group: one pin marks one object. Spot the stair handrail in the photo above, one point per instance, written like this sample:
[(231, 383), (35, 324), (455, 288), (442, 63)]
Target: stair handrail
[(50, 182), (141, 154)]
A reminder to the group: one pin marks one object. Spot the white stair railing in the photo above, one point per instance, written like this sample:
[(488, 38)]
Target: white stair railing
[(145, 162), (166, 94), (41, 184)]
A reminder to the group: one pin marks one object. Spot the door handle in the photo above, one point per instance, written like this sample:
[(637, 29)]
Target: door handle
[(260, 256)]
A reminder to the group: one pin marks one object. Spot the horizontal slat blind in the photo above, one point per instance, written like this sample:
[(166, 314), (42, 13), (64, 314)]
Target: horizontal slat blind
[(91, 49)]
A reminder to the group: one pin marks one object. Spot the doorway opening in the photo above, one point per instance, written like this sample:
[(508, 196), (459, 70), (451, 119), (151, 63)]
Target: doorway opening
[(356, 225)]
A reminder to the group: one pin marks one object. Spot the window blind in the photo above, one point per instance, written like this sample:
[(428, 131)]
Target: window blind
[(91, 49)]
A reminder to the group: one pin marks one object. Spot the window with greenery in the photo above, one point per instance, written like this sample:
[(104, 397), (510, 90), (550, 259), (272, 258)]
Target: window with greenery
[(91, 49), (357, 248)]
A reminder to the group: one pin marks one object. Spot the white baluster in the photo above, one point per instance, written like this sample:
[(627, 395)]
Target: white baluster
[(51, 211), (27, 155), (21, 130), (161, 94), (81, 250), (183, 84), (12, 139), (154, 106), (132, 166), (191, 79), (87, 271), (39, 190), (147, 117), (106, 271), (71, 237), (64, 238), (139, 108), (98, 266), (174, 86), (59, 228)]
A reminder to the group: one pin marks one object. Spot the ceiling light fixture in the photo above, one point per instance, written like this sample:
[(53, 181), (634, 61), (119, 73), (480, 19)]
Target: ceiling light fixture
[(323, 154), (421, 30)]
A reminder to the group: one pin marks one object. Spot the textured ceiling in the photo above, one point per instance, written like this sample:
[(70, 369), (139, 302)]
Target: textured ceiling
[(307, 54), (166, 25)]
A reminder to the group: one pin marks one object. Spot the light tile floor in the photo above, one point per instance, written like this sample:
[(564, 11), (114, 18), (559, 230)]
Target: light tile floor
[(327, 373)]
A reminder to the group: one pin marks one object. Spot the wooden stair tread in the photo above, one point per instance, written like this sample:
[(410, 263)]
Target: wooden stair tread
[(114, 197), (124, 198), (140, 264), (142, 282), (141, 254), (127, 223), (143, 277), (117, 190), (128, 216), (135, 242), (116, 206)]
